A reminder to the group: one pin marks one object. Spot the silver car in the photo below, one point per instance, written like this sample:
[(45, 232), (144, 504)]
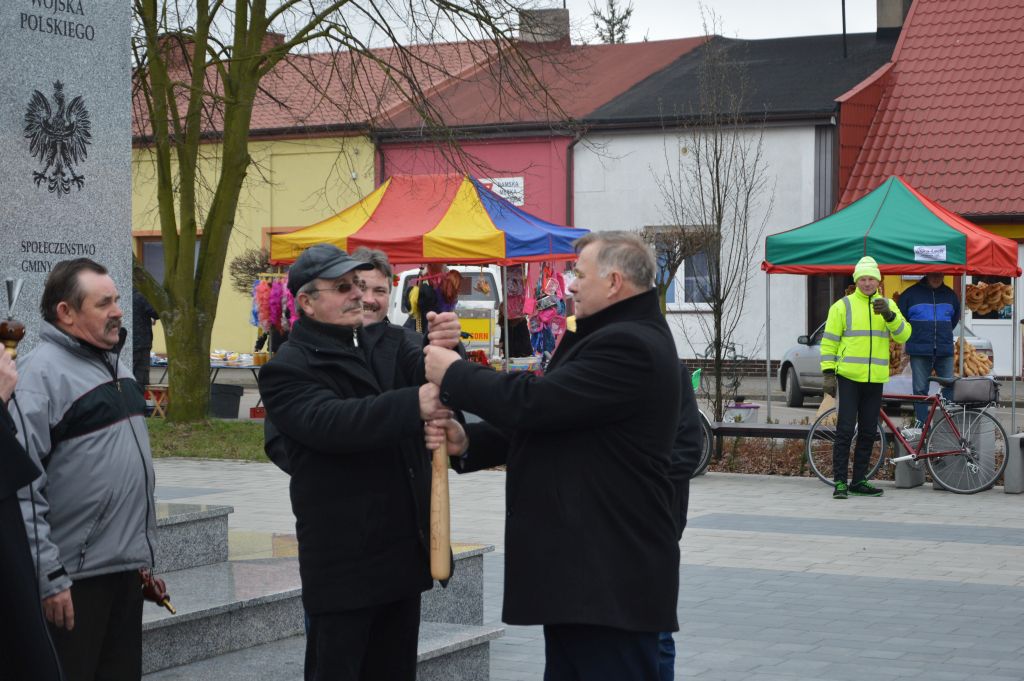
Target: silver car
[(800, 369)]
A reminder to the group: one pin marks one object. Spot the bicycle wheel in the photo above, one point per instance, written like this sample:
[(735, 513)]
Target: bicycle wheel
[(707, 446), (821, 439), (980, 457)]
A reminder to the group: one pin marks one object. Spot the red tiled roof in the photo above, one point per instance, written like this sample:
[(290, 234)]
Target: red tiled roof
[(309, 91), (949, 120), (573, 81)]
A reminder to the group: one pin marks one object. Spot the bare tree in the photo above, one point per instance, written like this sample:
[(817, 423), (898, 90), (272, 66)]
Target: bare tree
[(715, 198), (612, 24), (245, 269), (201, 66)]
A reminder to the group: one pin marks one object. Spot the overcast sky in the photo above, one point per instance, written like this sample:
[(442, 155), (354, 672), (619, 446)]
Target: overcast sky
[(663, 19)]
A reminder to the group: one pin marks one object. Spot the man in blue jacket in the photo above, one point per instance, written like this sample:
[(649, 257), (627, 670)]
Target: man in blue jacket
[(933, 310)]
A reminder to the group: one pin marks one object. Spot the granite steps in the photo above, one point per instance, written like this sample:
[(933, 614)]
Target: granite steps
[(238, 596), (447, 652)]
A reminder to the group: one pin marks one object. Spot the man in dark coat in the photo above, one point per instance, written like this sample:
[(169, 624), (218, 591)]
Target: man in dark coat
[(590, 533), (349, 412), (143, 319), (25, 646)]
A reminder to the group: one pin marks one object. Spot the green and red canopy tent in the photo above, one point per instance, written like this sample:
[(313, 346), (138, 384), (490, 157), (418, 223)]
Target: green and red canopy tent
[(903, 230), (906, 233)]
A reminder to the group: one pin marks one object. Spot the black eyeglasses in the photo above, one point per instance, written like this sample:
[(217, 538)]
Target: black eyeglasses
[(343, 288)]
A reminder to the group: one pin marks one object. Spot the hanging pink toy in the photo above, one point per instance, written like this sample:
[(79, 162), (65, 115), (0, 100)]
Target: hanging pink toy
[(263, 305), (275, 304)]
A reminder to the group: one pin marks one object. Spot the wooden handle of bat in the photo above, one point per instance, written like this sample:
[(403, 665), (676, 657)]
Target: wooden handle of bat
[(440, 517)]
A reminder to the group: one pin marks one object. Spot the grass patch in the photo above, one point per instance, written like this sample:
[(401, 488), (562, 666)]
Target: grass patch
[(213, 439)]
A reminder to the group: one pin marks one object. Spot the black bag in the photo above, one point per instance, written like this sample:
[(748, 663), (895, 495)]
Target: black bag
[(975, 390)]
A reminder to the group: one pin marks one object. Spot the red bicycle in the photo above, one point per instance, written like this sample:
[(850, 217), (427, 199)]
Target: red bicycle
[(962, 443)]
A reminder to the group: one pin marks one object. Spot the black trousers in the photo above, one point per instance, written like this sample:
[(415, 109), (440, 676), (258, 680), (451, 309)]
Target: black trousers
[(367, 644), (26, 653), (140, 365), (583, 652), (859, 404), (106, 643)]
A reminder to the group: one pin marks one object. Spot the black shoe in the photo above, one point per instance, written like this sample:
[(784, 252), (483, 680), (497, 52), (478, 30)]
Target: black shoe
[(863, 489), (840, 491)]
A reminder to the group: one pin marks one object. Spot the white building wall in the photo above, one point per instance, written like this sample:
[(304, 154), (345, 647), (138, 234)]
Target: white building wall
[(615, 188)]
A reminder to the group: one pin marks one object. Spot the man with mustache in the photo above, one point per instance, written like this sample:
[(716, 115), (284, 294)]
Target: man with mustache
[(89, 516), (345, 412), (375, 284)]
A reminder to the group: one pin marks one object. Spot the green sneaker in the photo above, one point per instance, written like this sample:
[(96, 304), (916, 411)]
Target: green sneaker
[(840, 491), (863, 489)]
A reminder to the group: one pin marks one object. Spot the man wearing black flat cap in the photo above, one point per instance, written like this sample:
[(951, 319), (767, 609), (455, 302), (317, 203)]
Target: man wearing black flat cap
[(348, 415)]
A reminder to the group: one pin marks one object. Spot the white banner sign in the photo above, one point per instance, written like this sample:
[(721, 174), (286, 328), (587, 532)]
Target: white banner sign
[(512, 189), (929, 254)]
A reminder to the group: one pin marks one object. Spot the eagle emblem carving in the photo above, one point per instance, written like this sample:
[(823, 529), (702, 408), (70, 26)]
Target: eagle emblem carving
[(58, 135)]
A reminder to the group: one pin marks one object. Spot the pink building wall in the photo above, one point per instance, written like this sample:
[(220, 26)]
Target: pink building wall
[(540, 161)]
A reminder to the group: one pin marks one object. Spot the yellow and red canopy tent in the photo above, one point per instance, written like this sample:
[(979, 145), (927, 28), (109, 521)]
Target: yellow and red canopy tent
[(451, 219)]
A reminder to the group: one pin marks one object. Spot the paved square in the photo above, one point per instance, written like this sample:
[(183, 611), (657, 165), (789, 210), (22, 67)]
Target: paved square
[(779, 582)]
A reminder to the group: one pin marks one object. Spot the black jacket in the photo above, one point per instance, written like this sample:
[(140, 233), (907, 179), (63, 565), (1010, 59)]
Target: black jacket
[(143, 316), (360, 474), (686, 449), (590, 536), (24, 642)]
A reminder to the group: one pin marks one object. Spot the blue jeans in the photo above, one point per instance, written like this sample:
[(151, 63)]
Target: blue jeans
[(666, 656), (921, 367)]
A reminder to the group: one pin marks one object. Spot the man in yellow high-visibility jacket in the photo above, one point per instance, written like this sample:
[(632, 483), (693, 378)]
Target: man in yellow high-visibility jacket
[(855, 363)]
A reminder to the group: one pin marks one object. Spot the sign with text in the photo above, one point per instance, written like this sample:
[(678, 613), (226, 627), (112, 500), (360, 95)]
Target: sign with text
[(512, 189), (929, 254), (65, 143)]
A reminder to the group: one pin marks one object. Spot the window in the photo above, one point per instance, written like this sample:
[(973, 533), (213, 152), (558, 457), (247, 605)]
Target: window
[(151, 253), (696, 280), (475, 286), (670, 293), (689, 289)]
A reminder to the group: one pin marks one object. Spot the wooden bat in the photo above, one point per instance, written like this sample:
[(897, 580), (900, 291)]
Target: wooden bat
[(440, 517)]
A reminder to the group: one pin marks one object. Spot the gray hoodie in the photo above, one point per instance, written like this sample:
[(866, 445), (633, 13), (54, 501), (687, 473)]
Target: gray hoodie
[(93, 512)]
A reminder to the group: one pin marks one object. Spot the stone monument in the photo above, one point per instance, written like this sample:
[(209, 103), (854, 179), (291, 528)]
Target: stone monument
[(65, 144)]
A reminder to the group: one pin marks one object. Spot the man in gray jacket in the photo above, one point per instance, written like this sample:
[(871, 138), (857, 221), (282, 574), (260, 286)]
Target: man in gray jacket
[(89, 516)]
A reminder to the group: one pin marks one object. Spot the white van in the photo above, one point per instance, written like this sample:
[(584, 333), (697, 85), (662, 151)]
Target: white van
[(477, 308)]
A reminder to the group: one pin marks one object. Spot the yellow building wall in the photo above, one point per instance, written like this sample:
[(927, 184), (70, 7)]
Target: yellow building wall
[(1015, 232), (291, 183)]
